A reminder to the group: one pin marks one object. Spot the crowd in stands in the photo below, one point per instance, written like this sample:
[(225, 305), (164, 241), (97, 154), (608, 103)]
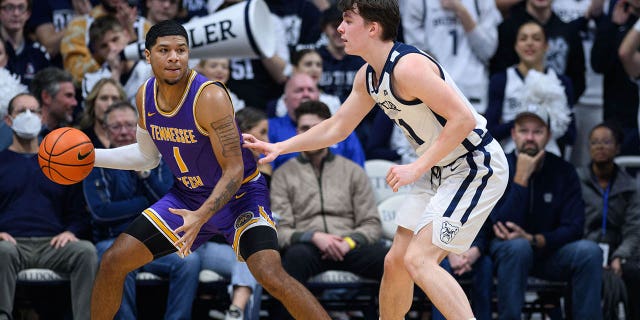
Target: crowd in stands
[(555, 79)]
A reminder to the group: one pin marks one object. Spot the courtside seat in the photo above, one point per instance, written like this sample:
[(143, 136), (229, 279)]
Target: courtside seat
[(38, 276), (387, 209), (362, 295)]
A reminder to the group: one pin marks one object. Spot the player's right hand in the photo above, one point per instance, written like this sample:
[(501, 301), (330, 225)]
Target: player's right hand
[(269, 150)]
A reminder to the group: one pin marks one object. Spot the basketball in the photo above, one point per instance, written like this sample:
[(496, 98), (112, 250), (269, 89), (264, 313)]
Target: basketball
[(66, 156)]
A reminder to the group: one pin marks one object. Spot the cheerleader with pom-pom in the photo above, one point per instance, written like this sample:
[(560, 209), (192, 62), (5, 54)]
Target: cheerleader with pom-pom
[(529, 84)]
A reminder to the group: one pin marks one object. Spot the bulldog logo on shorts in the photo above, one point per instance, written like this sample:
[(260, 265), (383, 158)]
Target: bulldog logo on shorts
[(243, 219), (447, 232)]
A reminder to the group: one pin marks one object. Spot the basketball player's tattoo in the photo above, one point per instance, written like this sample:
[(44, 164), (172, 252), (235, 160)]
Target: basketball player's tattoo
[(226, 194), (227, 135)]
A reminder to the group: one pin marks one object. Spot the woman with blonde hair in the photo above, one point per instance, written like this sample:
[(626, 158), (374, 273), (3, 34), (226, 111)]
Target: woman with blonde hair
[(103, 94)]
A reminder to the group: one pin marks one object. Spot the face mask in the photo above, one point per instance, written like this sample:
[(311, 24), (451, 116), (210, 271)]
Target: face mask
[(27, 125)]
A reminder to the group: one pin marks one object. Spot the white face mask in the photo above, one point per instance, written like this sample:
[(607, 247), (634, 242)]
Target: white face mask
[(27, 125)]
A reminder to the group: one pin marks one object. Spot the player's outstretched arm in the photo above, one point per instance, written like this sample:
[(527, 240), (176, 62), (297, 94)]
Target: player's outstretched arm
[(214, 113), (327, 132), (142, 155)]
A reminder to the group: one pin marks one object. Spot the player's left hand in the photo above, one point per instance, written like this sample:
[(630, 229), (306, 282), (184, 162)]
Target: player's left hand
[(62, 239), (192, 222), (402, 175)]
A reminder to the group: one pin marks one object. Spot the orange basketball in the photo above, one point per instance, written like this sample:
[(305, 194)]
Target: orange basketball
[(66, 155)]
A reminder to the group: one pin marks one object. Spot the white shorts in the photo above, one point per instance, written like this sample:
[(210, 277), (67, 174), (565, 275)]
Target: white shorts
[(457, 198)]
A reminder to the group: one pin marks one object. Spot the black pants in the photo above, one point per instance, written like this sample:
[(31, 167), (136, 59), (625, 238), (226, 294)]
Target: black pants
[(303, 261)]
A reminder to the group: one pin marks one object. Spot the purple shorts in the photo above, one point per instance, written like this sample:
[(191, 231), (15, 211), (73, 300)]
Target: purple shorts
[(248, 208)]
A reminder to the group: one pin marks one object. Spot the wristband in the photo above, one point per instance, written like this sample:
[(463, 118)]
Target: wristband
[(352, 244)]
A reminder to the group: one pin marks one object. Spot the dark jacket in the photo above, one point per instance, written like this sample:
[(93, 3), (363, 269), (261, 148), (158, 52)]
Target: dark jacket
[(116, 197), (623, 213), (550, 205)]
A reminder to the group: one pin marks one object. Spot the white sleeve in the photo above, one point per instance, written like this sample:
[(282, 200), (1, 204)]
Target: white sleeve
[(143, 155), (413, 13), (483, 39)]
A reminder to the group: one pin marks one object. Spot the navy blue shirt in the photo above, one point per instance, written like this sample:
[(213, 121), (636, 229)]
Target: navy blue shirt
[(550, 205), (31, 205), (28, 62), (337, 75)]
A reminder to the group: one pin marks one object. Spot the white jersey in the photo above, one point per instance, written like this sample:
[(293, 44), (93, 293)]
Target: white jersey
[(570, 10), (439, 32), (418, 122)]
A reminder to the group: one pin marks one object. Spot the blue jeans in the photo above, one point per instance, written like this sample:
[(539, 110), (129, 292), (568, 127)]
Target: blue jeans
[(183, 283), (482, 279), (578, 262), (221, 258)]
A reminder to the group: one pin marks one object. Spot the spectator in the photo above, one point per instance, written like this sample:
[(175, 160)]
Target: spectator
[(107, 39), (583, 15), (27, 57), (530, 82), (40, 221), (10, 87), (539, 222), (255, 122), (300, 88), (54, 90), (328, 214), (76, 55), (338, 68), (116, 197), (301, 21), (565, 54), (257, 81), (217, 69), (612, 217), (160, 10), (462, 35), (307, 61), (49, 19), (628, 116), (104, 93)]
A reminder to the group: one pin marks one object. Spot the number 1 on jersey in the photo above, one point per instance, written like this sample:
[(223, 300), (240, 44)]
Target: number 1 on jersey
[(179, 161)]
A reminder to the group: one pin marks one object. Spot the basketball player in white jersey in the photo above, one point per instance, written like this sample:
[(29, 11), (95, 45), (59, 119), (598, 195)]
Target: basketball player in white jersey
[(461, 34), (461, 171)]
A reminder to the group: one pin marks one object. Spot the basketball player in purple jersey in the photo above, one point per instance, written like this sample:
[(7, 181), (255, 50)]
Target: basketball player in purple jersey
[(190, 122)]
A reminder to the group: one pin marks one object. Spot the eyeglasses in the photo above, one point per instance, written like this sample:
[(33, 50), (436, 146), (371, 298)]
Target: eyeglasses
[(119, 126), (606, 143), (8, 8)]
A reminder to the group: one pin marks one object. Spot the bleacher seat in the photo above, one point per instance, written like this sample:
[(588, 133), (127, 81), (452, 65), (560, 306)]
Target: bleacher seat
[(377, 170), (387, 209)]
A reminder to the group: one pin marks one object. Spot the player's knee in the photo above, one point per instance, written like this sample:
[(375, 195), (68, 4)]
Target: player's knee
[(271, 276), (115, 261), (393, 262), (415, 262)]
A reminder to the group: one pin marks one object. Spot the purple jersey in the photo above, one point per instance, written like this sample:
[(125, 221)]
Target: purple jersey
[(185, 145)]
